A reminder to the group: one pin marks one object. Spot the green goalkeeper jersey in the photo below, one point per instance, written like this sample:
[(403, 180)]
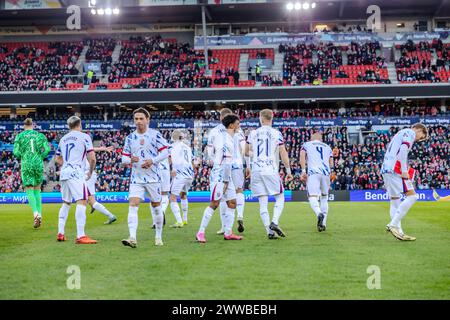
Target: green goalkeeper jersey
[(31, 147)]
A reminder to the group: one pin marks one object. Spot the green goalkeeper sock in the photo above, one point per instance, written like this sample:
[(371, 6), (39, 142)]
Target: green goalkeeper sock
[(37, 195), (31, 199)]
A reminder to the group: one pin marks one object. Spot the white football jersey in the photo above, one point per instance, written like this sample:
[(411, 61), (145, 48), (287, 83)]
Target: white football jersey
[(144, 146), (265, 142), (223, 155), (406, 137), (318, 156), (73, 147), (215, 132), (239, 146), (181, 155), (164, 165)]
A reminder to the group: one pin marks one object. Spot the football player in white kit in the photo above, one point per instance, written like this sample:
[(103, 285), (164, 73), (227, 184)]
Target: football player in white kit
[(265, 145), (397, 179), (144, 149), (215, 132), (316, 160), (90, 184), (221, 184), (182, 176), (71, 154)]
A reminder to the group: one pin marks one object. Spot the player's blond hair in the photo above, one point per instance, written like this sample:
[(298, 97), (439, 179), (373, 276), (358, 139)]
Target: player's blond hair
[(73, 122), (224, 112), (421, 127), (177, 135), (28, 122), (266, 114)]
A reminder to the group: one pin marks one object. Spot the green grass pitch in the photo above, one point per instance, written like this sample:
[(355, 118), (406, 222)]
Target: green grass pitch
[(305, 265)]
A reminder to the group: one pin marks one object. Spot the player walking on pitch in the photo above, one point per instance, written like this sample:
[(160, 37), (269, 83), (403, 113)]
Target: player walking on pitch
[(398, 177), (72, 151), (217, 133), (265, 145), (316, 161), (182, 176), (31, 147), (144, 149), (221, 184), (90, 183)]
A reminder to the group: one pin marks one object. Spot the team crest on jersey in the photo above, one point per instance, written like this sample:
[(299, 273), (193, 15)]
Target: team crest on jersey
[(142, 141)]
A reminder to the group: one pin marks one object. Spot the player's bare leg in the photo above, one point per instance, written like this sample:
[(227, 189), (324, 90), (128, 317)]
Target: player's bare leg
[(132, 222), (101, 208)]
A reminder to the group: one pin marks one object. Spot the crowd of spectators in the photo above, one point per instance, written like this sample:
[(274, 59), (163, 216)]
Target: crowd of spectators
[(416, 63), (39, 68)]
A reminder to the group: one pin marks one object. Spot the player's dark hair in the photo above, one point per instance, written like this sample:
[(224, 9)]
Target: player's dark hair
[(28, 122), (229, 119), (142, 110)]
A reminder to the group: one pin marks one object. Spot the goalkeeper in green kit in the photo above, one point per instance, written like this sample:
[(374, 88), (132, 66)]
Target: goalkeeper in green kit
[(31, 147)]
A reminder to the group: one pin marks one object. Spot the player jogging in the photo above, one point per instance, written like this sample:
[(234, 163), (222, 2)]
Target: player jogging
[(90, 183), (398, 177), (144, 149), (31, 147), (265, 145), (316, 161), (72, 151), (182, 176), (221, 184)]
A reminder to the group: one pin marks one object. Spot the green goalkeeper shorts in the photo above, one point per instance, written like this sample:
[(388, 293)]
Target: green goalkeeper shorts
[(32, 176)]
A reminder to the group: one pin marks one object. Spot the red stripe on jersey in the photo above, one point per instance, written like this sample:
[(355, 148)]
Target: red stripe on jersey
[(165, 147), (407, 143), (126, 154)]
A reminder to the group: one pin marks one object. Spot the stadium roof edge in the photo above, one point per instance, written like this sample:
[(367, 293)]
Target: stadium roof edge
[(212, 95)]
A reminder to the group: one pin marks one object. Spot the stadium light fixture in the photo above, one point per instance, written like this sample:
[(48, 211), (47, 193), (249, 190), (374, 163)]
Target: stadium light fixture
[(92, 3), (101, 12), (313, 5), (298, 6), (93, 11), (108, 11), (306, 5), (290, 6), (116, 11)]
